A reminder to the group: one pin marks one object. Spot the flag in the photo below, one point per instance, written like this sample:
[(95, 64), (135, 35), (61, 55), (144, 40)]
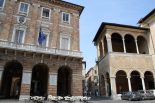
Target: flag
[(41, 37)]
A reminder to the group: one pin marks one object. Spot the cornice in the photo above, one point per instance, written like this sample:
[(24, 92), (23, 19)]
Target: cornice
[(66, 4)]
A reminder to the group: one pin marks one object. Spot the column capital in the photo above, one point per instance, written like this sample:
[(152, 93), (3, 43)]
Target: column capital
[(108, 37), (135, 40), (113, 77), (142, 77), (128, 77)]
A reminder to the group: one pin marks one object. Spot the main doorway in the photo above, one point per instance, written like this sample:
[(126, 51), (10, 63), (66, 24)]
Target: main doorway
[(39, 81), (64, 81)]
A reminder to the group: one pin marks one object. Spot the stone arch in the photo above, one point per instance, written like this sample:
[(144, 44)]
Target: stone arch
[(39, 80), (121, 81), (130, 44), (11, 80), (136, 82), (117, 42), (142, 45), (64, 81), (130, 71), (149, 80)]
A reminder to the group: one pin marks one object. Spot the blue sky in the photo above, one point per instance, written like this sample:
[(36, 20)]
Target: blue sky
[(115, 11)]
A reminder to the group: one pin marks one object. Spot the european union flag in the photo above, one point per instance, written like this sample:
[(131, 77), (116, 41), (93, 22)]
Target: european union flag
[(41, 37)]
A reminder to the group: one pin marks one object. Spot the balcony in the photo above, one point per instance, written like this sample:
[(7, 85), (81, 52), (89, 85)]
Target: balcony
[(39, 49)]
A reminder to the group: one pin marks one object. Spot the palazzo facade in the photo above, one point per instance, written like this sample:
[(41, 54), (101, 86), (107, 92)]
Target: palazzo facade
[(126, 56), (28, 68)]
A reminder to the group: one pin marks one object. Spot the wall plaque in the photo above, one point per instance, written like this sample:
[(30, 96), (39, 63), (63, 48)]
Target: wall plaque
[(26, 78), (53, 80)]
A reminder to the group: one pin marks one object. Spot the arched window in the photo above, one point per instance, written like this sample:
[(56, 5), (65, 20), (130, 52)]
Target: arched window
[(130, 44), (142, 45), (101, 49), (117, 43)]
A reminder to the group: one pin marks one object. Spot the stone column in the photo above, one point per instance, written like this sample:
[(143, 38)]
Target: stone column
[(137, 47), (124, 45), (154, 81), (0, 78), (143, 83), (106, 89), (129, 84), (98, 54), (113, 87), (26, 85), (109, 44)]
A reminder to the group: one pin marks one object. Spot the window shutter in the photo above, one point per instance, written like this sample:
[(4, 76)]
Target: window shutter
[(64, 43)]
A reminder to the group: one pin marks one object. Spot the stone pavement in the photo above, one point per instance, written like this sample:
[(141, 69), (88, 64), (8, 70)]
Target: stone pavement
[(93, 100)]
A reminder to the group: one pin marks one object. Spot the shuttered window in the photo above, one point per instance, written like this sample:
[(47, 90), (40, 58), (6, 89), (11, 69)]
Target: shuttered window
[(64, 43)]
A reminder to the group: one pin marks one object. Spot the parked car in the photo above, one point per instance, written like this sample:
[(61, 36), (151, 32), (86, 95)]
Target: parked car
[(152, 91), (146, 95), (131, 96)]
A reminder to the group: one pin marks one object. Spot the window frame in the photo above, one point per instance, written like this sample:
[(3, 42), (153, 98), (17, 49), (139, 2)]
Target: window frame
[(21, 12), (69, 16), (1, 8), (44, 17), (14, 34), (65, 36)]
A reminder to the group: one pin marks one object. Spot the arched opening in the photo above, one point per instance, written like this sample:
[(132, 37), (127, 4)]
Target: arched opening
[(108, 84), (130, 44), (101, 50), (142, 45), (136, 82), (39, 80), (11, 80), (105, 46), (64, 81), (149, 80), (102, 86), (117, 43), (121, 82)]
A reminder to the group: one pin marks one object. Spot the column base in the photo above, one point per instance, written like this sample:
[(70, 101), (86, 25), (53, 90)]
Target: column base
[(116, 97), (24, 97)]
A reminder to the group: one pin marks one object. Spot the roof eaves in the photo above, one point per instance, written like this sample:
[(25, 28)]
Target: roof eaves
[(114, 24), (147, 16)]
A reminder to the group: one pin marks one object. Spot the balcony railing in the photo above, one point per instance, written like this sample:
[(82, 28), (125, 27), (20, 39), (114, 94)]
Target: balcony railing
[(39, 49)]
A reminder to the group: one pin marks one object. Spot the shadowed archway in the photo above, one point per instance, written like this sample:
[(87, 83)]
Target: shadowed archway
[(136, 82), (11, 80), (39, 80), (121, 82), (117, 42), (64, 81), (149, 80), (130, 44)]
